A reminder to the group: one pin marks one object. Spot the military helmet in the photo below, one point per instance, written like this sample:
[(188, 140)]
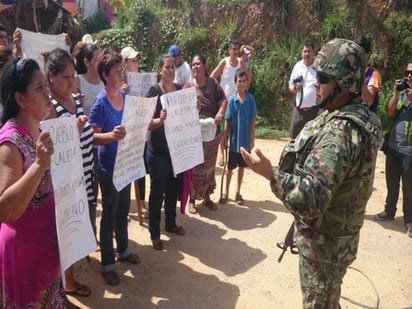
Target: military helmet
[(344, 60)]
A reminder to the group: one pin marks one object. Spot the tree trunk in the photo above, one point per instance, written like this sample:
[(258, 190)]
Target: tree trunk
[(36, 25)]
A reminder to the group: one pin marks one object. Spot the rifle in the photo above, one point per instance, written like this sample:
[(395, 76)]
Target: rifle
[(223, 173), (288, 243)]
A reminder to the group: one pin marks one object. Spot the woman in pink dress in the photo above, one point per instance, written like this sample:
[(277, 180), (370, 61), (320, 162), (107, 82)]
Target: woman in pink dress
[(29, 257)]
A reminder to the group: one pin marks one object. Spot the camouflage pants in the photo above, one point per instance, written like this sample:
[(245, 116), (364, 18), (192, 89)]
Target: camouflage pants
[(320, 283)]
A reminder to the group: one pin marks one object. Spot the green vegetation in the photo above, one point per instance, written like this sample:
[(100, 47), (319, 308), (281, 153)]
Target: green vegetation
[(280, 28), (97, 22), (336, 24)]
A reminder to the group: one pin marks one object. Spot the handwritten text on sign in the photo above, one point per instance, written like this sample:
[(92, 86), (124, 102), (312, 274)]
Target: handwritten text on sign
[(129, 163), (74, 230), (140, 83), (182, 129)]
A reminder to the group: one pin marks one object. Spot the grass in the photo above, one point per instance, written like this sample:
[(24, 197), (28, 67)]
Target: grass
[(269, 133)]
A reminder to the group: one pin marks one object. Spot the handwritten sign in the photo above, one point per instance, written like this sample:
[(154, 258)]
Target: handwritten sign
[(74, 229), (140, 83), (33, 44), (129, 163), (182, 129)]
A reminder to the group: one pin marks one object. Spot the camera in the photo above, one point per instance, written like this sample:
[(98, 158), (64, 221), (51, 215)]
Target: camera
[(402, 85), (297, 80)]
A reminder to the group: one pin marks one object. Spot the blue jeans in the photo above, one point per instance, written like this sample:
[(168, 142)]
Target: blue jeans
[(163, 187), (114, 218), (398, 166)]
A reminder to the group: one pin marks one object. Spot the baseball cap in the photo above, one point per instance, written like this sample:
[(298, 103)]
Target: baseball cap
[(129, 53), (174, 50)]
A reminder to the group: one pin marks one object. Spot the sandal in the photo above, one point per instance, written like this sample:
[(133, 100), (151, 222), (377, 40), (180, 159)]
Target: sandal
[(223, 199), (82, 290), (239, 199), (157, 244), (177, 229), (192, 208), (209, 204), (132, 258), (111, 277)]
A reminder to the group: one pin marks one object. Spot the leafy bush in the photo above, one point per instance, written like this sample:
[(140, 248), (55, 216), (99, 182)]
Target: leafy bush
[(268, 133), (397, 28), (270, 75), (336, 24), (385, 94), (116, 39), (152, 27), (136, 27), (97, 22)]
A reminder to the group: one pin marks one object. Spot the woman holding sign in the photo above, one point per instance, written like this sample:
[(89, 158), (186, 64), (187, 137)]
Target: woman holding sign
[(105, 118), (60, 74), (29, 254), (88, 86), (163, 185), (212, 104), (131, 62)]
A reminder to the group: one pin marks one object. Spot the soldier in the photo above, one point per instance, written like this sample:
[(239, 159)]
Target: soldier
[(325, 176)]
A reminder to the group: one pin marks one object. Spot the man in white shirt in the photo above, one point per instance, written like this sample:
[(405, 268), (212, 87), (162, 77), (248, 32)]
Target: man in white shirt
[(301, 83), (183, 72)]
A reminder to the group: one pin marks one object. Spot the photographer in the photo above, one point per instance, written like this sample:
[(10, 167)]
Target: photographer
[(399, 152), (301, 83)]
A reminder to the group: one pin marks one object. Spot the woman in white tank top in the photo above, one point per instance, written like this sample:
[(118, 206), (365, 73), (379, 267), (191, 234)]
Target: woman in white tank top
[(89, 82)]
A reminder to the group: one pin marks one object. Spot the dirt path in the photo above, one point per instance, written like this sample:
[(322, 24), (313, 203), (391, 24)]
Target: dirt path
[(228, 258)]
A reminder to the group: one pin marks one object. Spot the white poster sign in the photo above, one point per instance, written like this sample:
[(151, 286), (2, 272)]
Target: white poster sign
[(129, 163), (140, 83), (182, 129), (33, 44), (74, 229)]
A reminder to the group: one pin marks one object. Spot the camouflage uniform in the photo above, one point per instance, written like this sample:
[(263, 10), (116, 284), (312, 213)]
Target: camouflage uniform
[(325, 179)]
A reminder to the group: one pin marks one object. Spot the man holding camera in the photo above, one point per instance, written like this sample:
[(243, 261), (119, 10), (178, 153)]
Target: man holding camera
[(301, 83), (399, 153)]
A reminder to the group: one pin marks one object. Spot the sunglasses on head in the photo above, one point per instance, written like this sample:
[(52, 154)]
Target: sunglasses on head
[(20, 64), (407, 72), (323, 78)]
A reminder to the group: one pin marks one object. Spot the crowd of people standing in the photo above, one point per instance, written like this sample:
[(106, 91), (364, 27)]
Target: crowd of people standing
[(91, 84)]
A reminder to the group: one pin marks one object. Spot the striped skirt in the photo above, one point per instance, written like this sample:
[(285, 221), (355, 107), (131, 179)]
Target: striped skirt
[(203, 182)]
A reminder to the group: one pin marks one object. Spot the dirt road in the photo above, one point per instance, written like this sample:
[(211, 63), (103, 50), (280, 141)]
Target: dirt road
[(228, 258)]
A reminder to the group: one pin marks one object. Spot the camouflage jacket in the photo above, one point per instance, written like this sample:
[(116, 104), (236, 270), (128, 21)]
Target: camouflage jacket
[(325, 179)]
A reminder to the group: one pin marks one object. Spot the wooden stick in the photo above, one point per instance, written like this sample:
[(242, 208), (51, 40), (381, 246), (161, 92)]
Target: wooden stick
[(138, 202)]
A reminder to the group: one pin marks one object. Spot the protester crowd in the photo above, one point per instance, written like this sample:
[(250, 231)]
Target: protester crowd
[(335, 135)]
